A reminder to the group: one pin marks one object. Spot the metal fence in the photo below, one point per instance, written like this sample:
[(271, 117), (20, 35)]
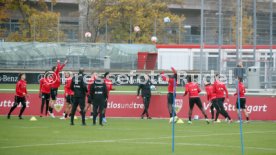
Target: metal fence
[(42, 56)]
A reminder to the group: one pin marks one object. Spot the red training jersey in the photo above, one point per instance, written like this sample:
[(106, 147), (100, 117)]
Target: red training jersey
[(193, 89), (44, 86), (67, 89), (220, 89), (170, 83), (210, 92), (21, 88), (241, 90), (56, 76), (108, 84)]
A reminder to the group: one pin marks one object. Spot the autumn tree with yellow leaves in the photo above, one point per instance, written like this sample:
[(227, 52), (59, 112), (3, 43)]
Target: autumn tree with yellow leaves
[(247, 23), (36, 24), (121, 16)]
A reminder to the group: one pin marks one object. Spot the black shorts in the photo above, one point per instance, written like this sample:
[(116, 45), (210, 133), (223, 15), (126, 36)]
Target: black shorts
[(170, 98), (54, 92), (45, 96), (220, 100), (193, 101), (213, 102), (242, 102), (18, 100), (69, 99), (79, 101)]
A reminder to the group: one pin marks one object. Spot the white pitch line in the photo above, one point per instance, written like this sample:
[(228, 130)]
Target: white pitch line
[(121, 140), (206, 145), (206, 135), (54, 144), (31, 127)]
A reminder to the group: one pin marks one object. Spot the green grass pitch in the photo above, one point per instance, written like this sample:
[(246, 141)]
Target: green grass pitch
[(122, 136)]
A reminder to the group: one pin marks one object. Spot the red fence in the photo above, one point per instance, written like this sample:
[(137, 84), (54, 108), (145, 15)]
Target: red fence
[(260, 108)]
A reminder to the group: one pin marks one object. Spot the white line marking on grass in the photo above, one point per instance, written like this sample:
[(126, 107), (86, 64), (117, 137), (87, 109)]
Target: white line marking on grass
[(121, 140), (54, 144), (31, 127), (227, 134), (206, 145), (190, 136)]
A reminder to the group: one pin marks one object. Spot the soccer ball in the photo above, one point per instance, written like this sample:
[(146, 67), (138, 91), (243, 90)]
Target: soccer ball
[(167, 20), (152, 87), (87, 35), (137, 29), (154, 39)]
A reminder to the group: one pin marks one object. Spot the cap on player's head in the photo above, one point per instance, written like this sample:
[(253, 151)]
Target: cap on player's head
[(240, 79), (81, 70), (106, 74)]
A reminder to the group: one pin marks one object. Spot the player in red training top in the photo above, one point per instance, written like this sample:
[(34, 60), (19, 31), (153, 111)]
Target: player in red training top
[(44, 93), (193, 90), (172, 83), (242, 99), (68, 94), (109, 87), (55, 85), (20, 95), (211, 96), (220, 90)]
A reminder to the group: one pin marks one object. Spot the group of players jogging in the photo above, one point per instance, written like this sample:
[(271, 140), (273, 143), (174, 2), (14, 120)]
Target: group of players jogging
[(97, 93)]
